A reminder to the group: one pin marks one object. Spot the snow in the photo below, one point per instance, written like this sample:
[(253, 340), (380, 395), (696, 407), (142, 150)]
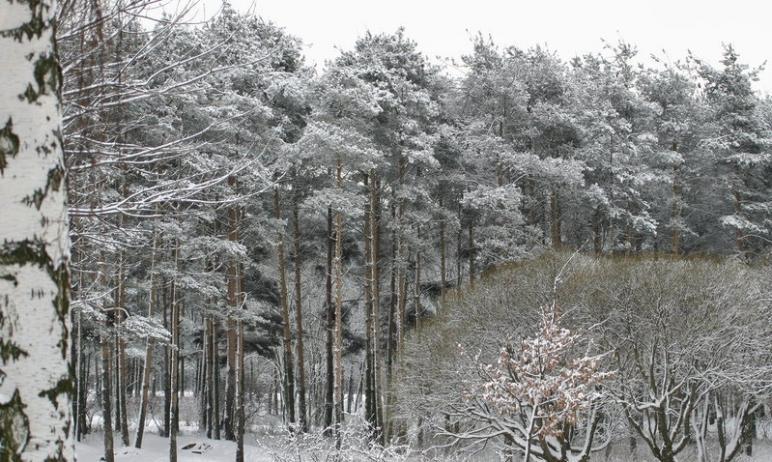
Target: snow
[(156, 449)]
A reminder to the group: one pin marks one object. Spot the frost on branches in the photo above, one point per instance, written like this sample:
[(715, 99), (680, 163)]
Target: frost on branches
[(540, 397)]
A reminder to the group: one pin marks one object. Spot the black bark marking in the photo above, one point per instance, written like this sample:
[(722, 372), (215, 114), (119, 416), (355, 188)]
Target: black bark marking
[(14, 428), (9, 144)]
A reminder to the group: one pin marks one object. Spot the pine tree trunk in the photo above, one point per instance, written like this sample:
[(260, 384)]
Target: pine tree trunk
[(368, 279), (393, 295), (338, 346), (597, 230), (240, 393), (459, 246), (471, 254), (417, 291), (231, 337), (79, 376), (202, 384), (285, 314), (555, 228), (174, 376), (215, 391), (377, 369), (167, 366), (302, 407), (330, 317), (675, 210), (37, 383), (122, 420), (107, 400), (148, 367), (443, 271)]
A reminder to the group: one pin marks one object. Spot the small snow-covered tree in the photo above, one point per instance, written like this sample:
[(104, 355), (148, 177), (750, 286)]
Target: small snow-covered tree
[(541, 396)]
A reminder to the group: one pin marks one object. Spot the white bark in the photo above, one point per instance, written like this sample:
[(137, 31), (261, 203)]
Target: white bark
[(35, 381)]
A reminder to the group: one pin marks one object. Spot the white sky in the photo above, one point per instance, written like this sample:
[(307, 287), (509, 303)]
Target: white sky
[(444, 28)]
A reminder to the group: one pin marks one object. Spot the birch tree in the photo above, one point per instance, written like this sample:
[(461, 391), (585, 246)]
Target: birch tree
[(35, 382)]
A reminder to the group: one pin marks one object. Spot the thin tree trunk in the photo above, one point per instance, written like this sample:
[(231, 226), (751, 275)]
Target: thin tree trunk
[(555, 228), (174, 384), (471, 253), (202, 384), (417, 291), (215, 392), (369, 347), (330, 317), (377, 369), (167, 366), (675, 210), (443, 272), (285, 314), (232, 300), (302, 411), (148, 367), (240, 393), (459, 246), (107, 400), (120, 345), (338, 347)]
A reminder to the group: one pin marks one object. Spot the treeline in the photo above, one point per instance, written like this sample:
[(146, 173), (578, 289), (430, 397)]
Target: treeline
[(233, 208)]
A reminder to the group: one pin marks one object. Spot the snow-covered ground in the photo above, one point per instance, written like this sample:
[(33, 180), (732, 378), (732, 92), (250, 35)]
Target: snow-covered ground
[(191, 448), (196, 448)]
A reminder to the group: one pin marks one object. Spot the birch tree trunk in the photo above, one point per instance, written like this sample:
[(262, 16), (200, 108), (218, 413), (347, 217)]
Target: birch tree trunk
[(35, 380)]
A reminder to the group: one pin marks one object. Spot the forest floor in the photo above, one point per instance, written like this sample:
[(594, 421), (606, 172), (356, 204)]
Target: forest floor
[(192, 448), (195, 448)]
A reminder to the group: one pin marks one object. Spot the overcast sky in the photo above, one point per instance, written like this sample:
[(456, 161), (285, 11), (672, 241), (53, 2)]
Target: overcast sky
[(443, 28)]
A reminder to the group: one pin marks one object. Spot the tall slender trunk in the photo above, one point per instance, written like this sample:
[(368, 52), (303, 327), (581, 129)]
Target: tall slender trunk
[(107, 400), (368, 280), (122, 420), (377, 369), (555, 220), (597, 230), (675, 209), (393, 296), (302, 411), (338, 347), (330, 317), (202, 384), (471, 253), (174, 384), (77, 421), (239, 392), (443, 271), (167, 364), (459, 246), (417, 290), (285, 314), (148, 367), (231, 337), (215, 391), (737, 201)]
